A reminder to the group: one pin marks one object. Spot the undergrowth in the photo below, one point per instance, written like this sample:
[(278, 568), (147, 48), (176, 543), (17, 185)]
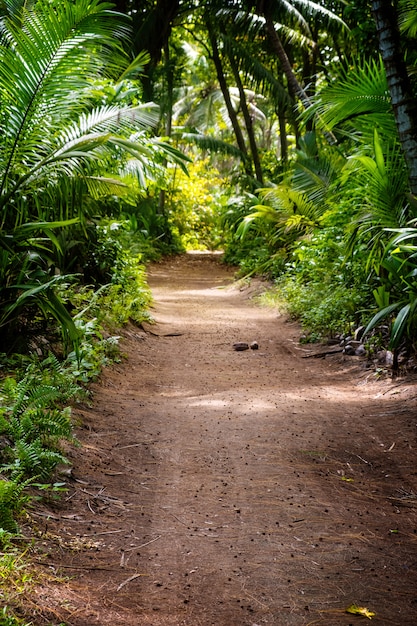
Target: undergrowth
[(35, 419), (37, 392), (319, 286), (18, 578)]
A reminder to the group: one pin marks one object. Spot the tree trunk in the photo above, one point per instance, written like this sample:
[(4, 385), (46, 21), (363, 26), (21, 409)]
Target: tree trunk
[(248, 121), (151, 32), (229, 105), (153, 28), (403, 101), (169, 73), (283, 139), (294, 86)]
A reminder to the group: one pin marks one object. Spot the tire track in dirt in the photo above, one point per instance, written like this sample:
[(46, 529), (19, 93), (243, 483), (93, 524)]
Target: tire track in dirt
[(223, 488)]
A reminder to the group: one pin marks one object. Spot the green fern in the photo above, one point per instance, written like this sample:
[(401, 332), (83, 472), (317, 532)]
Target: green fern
[(32, 395), (32, 423), (33, 460), (11, 502), (48, 425), (44, 383), (53, 425)]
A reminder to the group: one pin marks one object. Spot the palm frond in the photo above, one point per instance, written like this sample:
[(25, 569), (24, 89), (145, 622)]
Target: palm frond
[(360, 91), (311, 9), (289, 202), (78, 143), (382, 180), (13, 9), (293, 15), (37, 78), (288, 210), (408, 17), (295, 37), (315, 173), (111, 119), (385, 181), (136, 67), (206, 142), (260, 76), (203, 106), (101, 186), (250, 23)]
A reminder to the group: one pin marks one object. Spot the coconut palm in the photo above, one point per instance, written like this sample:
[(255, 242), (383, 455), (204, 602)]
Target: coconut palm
[(403, 99), (289, 22), (54, 138), (49, 129), (358, 110)]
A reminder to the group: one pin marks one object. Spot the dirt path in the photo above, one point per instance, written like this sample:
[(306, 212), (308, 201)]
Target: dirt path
[(224, 488)]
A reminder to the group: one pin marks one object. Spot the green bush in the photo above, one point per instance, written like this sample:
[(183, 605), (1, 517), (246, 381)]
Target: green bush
[(326, 291), (195, 204), (11, 503), (35, 417)]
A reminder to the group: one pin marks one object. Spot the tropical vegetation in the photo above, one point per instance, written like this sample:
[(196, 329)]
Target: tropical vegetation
[(283, 133)]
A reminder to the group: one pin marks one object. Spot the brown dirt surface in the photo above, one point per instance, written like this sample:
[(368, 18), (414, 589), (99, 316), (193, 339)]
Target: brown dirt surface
[(216, 487)]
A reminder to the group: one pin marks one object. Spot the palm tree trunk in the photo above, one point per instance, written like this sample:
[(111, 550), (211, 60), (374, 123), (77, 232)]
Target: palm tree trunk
[(151, 32), (402, 98), (294, 86), (283, 139), (248, 120), (229, 105), (169, 73)]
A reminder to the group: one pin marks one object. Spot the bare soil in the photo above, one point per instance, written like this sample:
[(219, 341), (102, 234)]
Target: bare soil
[(223, 488)]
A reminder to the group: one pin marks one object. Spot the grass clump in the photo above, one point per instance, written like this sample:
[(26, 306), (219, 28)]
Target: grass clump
[(17, 578)]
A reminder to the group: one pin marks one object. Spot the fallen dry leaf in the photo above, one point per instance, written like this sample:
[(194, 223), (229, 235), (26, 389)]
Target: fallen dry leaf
[(360, 610)]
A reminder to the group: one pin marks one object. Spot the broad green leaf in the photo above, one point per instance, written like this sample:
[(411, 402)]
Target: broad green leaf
[(381, 315), (379, 155), (399, 326)]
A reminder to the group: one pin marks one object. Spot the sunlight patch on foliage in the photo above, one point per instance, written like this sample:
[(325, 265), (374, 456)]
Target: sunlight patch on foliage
[(195, 205)]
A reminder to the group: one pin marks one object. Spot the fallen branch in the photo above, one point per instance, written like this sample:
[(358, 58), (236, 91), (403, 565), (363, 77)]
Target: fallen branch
[(143, 544), (321, 355), (129, 580)]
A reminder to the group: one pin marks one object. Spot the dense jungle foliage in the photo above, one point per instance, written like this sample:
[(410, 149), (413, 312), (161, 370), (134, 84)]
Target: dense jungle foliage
[(283, 133)]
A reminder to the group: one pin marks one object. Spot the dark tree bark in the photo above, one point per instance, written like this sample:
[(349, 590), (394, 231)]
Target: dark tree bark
[(264, 8), (169, 74), (152, 25), (229, 105), (403, 101), (248, 121), (282, 120)]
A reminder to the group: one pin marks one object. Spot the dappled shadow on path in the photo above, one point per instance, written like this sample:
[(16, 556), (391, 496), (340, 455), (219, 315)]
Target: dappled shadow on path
[(227, 488)]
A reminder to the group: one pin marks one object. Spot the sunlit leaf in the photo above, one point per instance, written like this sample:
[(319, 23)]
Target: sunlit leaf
[(360, 610)]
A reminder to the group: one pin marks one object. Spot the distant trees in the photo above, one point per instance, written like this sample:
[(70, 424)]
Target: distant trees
[(290, 102)]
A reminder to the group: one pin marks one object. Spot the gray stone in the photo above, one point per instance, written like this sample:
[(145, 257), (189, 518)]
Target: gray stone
[(359, 333)]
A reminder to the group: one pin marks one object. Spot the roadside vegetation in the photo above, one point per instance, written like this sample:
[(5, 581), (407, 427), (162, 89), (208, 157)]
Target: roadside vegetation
[(262, 129)]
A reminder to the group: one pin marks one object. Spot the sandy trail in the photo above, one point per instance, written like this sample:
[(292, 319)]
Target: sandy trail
[(224, 488)]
